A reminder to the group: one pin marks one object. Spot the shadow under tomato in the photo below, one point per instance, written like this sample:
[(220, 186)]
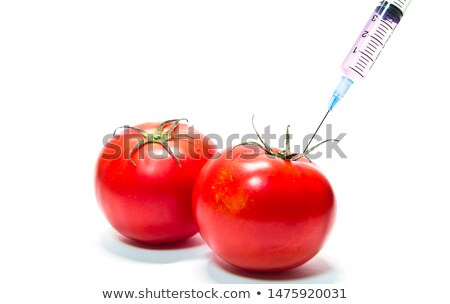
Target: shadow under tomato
[(316, 271), (192, 248)]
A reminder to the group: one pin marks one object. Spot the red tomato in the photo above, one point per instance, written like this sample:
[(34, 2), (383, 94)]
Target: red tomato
[(263, 213), (148, 198)]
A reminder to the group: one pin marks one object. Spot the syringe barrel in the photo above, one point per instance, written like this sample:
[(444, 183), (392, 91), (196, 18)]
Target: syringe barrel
[(373, 38)]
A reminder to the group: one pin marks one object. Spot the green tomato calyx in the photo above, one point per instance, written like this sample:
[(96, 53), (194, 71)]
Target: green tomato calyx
[(285, 154), (158, 137)]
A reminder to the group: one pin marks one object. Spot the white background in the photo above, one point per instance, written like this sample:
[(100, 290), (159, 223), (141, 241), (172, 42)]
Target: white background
[(72, 71)]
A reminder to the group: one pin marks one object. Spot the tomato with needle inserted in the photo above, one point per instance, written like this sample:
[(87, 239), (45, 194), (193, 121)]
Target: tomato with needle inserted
[(263, 209)]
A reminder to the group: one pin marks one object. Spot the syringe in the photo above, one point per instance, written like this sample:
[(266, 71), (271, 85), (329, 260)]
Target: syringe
[(367, 48)]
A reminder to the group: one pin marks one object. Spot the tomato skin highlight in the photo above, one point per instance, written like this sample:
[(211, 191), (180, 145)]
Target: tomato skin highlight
[(263, 214), (150, 202)]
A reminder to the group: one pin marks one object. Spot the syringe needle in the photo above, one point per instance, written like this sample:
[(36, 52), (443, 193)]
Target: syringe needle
[(317, 130)]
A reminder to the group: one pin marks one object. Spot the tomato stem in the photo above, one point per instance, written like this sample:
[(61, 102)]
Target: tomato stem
[(158, 137), (288, 141), (283, 154)]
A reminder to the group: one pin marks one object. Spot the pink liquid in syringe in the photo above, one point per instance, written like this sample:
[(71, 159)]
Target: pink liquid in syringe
[(371, 42)]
